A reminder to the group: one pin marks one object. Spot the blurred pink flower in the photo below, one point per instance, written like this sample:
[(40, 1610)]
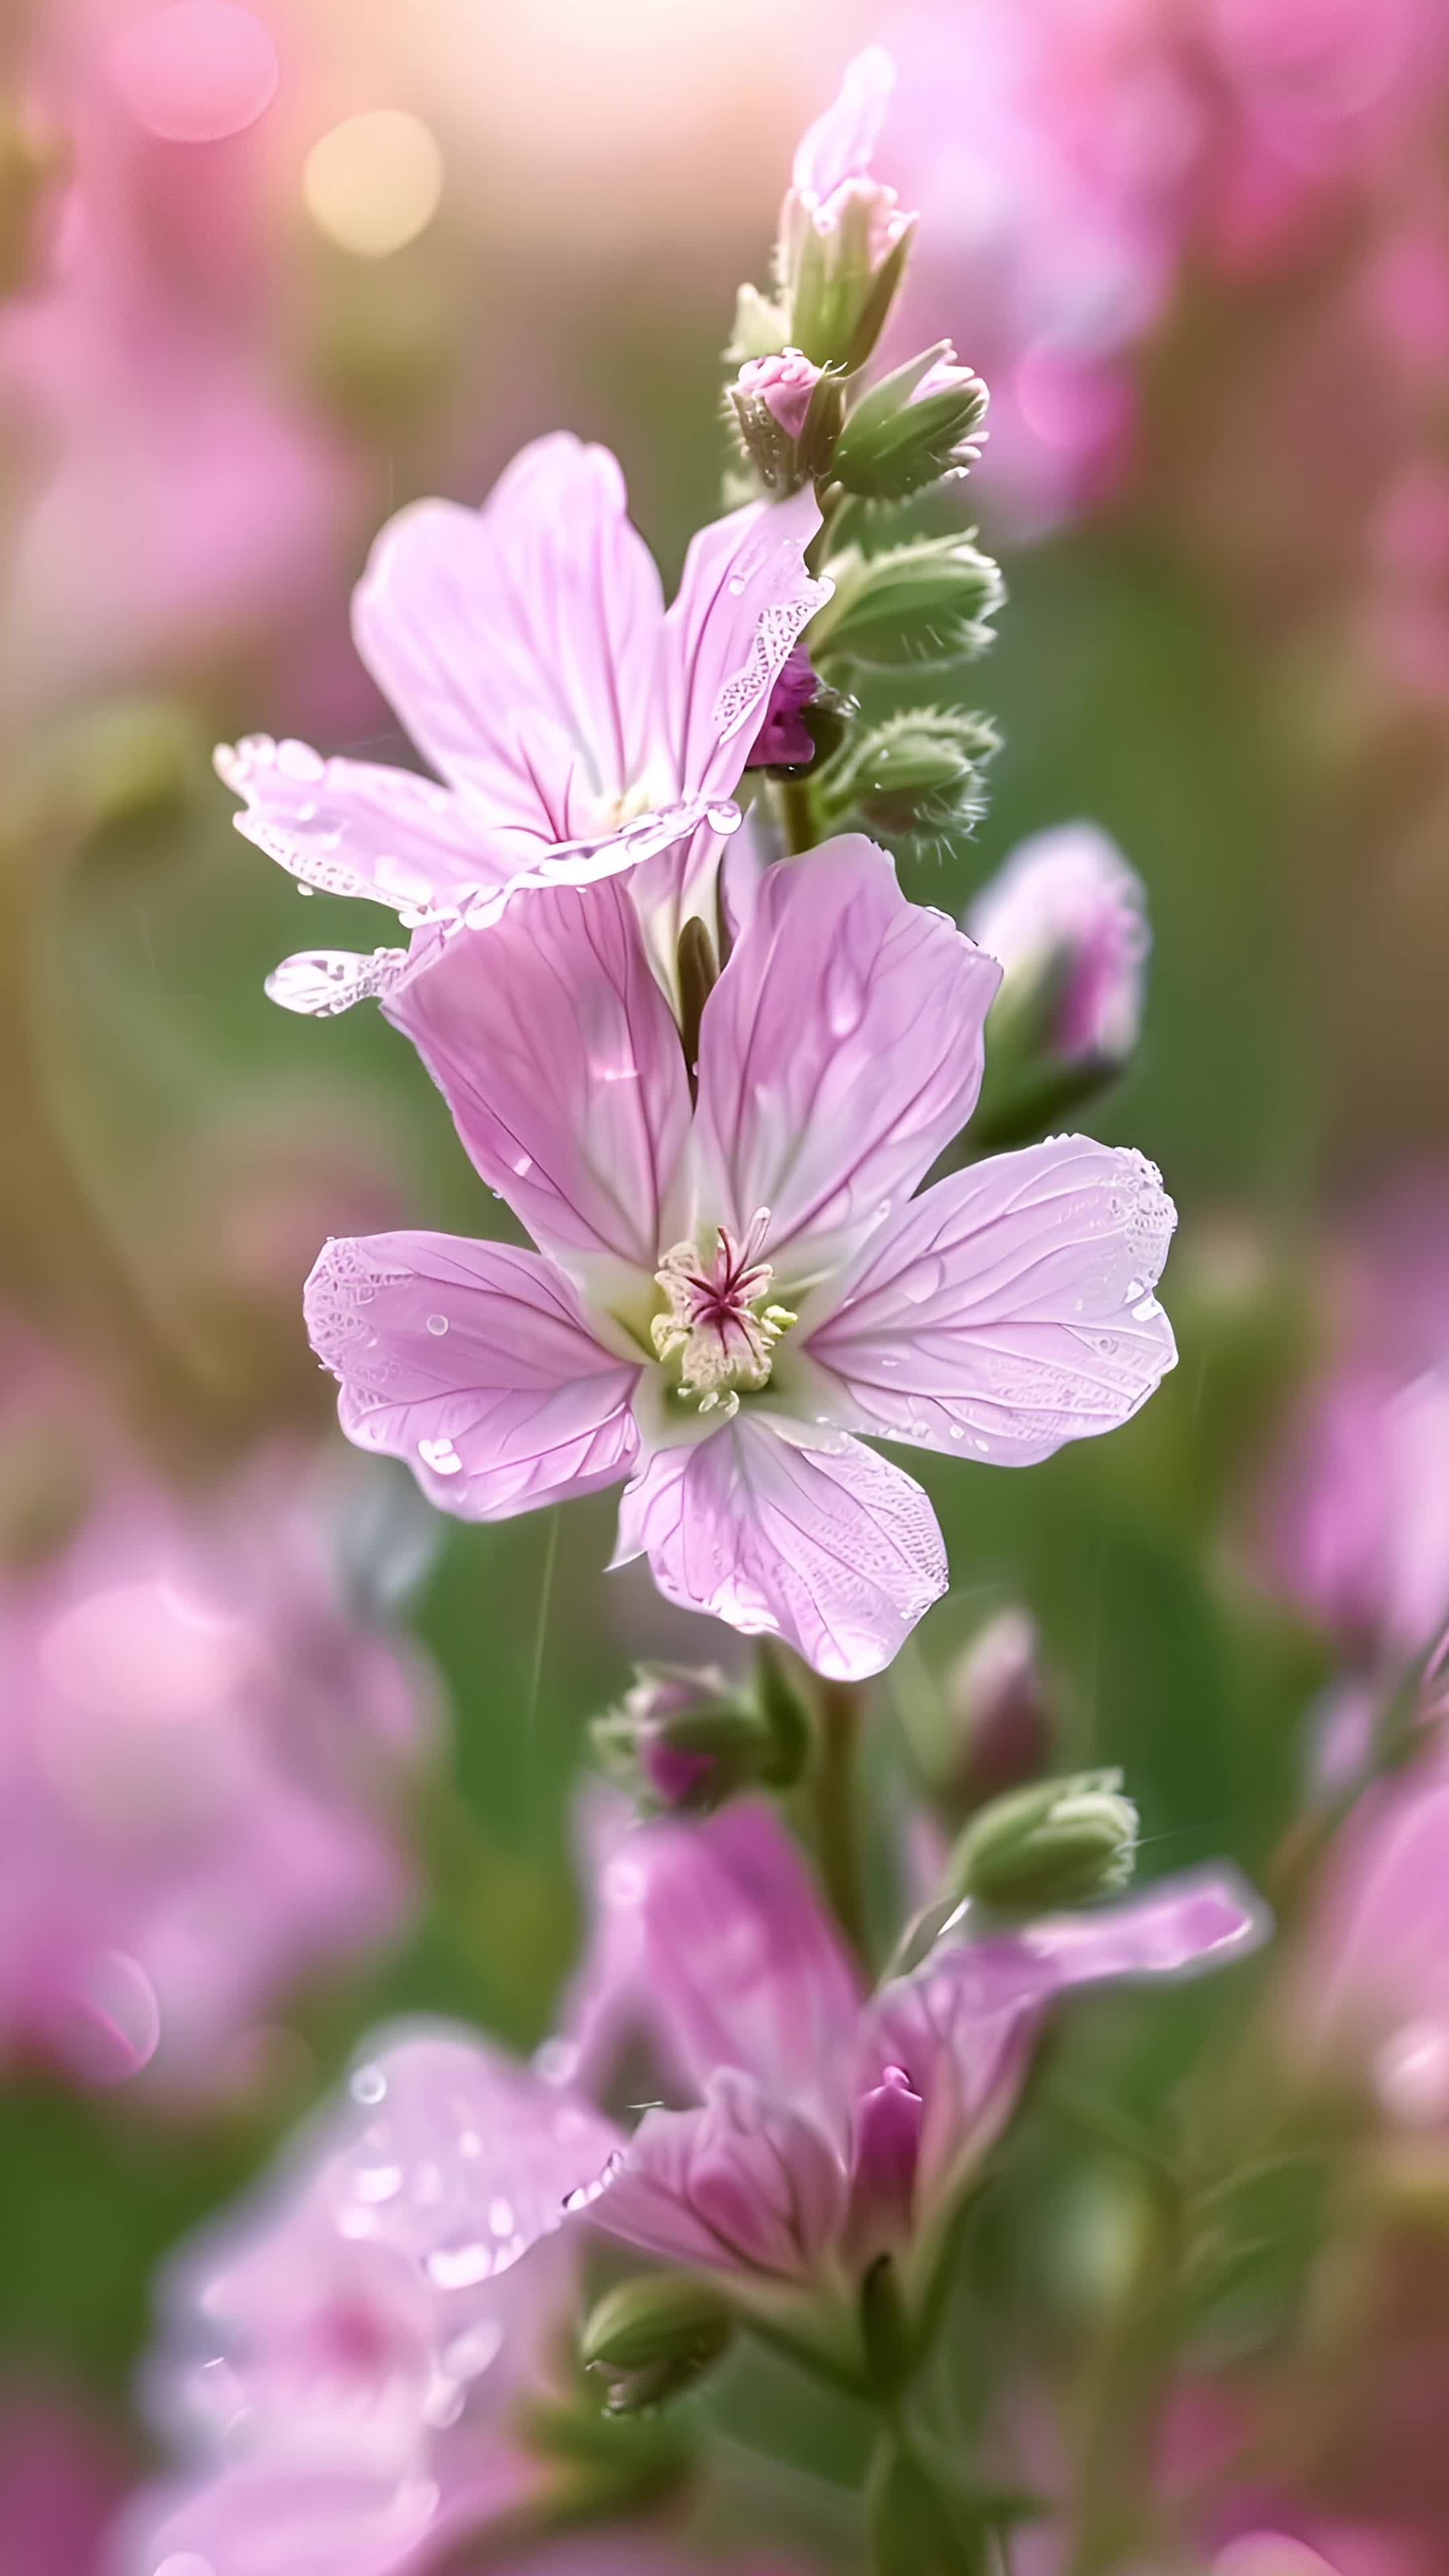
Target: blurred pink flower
[(197, 1735), (836, 2126), (60, 2482), (178, 497), (730, 1291), (580, 726), (344, 2359), (1078, 160), (1065, 919)]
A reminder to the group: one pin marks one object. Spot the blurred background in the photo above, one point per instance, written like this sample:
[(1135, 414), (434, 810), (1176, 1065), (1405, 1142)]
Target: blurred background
[(278, 1754)]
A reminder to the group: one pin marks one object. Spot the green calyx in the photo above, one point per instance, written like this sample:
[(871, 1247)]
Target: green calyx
[(1058, 1842)]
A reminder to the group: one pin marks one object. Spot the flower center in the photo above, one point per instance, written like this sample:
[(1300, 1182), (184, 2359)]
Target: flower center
[(715, 1322), (611, 813)]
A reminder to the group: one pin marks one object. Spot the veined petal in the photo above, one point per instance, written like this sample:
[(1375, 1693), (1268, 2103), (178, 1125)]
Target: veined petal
[(839, 1051), (744, 2184), (472, 1362), (350, 827), (744, 598), (1010, 1309), (742, 1959), (834, 1550), (518, 642), (560, 1060)]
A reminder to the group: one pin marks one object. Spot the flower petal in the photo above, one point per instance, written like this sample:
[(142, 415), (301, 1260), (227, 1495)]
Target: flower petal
[(744, 598), (1010, 1309), (349, 827), (472, 1362), (834, 1550), (745, 2184), (741, 1957), (518, 642), (560, 1060), (960, 2027), (839, 1051), (839, 145)]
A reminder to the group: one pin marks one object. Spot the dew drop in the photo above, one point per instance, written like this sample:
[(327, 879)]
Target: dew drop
[(369, 2084), (437, 1326), (460, 2267)]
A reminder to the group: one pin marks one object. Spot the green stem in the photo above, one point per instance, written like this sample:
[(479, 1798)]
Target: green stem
[(1124, 2394), (840, 1708)]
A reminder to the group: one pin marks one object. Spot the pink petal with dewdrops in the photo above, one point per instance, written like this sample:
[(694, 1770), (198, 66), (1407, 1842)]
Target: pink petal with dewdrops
[(471, 1361), (834, 1550), (1009, 1309), (839, 1053), (349, 827), (559, 1058)]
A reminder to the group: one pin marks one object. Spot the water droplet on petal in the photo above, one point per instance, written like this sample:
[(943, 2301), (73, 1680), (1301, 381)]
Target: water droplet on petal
[(437, 1325), (369, 2084)]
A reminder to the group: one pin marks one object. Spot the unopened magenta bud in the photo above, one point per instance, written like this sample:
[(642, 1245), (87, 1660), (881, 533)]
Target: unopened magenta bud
[(784, 384), (682, 1738)]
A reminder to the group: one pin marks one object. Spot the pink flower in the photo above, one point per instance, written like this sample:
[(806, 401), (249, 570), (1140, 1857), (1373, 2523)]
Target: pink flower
[(836, 2126), (579, 726), (341, 2356), (729, 1290), (60, 2482), (181, 497), (343, 2360), (1066, 920), (194, 1728)]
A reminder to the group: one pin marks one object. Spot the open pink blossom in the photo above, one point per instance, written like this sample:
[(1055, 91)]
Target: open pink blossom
[(342, 2360), (1065, 918), (730, 1289), (836, 2126), (580, 727), (194, 1727)]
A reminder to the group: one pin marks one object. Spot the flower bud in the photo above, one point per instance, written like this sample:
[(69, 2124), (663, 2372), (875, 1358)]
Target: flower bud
[(1060, 1842), (1066, 920), (788, 412), (843, 239), (652, 2337), (998, 1710), (917, 772), (919, 423), (683, 1738), (922, 606)]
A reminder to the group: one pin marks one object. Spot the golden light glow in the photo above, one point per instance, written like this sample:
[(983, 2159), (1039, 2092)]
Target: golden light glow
[(374, 182)]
